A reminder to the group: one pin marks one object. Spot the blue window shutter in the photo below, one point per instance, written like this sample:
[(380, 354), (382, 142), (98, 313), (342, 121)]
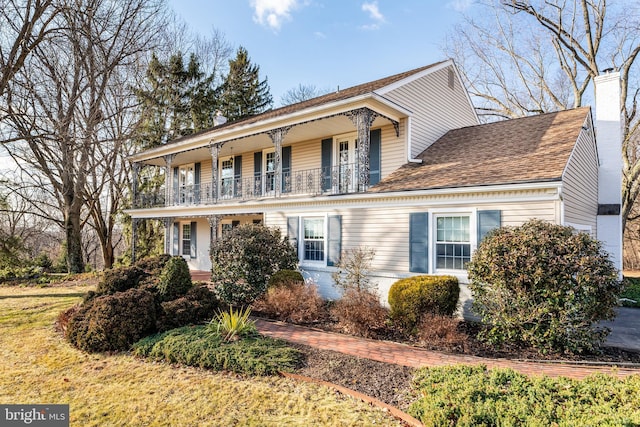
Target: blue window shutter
[(194, 240), (419, 242), (286, 169), (375, 143), (237, 175), (196, 180), (176, 238), (176, 186), (326, 158), (293, 231), (488, 221), (257, 172), (334, 241)]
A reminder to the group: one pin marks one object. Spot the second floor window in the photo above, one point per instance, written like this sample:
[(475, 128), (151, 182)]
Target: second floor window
[(187, 182), (227, 178)]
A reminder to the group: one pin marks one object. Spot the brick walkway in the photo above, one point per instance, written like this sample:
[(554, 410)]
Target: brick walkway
[(401, 354)]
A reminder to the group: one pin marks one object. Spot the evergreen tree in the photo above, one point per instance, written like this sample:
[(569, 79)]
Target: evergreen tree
[(243, 94), (177, 101)]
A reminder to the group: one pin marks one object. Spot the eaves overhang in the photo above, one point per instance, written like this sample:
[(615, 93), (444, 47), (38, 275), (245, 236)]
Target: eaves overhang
[(378, 103)]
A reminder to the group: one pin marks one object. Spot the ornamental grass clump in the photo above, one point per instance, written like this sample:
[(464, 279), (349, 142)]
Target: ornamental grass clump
[(234, 324), (545, 286)]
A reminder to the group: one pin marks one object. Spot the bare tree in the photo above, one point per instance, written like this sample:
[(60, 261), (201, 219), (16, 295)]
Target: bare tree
[(300, 93), (23, 26), (59, 109), (534, 56)]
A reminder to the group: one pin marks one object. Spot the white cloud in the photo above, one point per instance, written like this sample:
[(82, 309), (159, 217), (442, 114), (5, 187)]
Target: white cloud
[(320, 35), (460, 5), (373, 10), (272, 13)]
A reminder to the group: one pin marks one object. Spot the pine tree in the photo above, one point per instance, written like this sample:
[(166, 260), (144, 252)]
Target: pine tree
[(243, 94)]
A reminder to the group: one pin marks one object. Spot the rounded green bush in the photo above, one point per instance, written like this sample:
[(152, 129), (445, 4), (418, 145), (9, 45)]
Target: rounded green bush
[(113, 322), (119, 280), (411, 297), (545, 286), (175, 279), (245, 258), (285, 278)]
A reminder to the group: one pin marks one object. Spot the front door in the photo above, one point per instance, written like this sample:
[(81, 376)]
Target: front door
[(347, 149)]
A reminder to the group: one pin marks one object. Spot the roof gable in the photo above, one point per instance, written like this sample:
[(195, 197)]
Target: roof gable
[(529, 149)]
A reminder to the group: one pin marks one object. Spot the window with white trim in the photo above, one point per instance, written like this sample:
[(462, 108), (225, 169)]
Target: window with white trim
[(226, 178), (313, 242), (187, 183), (186, 239), (453, 242)]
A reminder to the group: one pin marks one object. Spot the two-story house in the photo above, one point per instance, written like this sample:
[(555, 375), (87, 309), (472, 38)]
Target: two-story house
[(400, 165)]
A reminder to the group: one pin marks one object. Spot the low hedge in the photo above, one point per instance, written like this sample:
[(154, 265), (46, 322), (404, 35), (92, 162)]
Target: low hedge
[(199, 346), (112, 322), (472, 396), (285, 278), (197, 305), (412, 297)]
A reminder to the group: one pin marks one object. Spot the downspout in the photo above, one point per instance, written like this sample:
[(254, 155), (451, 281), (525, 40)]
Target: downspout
[(409, 158)]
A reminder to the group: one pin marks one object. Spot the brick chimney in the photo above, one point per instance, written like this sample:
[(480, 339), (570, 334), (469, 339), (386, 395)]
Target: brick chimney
[(609, 141)]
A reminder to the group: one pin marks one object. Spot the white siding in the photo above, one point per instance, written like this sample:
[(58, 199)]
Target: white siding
[(580, 183), (387, 231), (436, 107), (393, 153)]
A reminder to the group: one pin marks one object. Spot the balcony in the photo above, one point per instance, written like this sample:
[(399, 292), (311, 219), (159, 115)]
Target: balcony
[(340, 179)]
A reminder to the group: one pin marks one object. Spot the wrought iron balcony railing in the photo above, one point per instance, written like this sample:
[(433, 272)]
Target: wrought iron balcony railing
[(339, 179)]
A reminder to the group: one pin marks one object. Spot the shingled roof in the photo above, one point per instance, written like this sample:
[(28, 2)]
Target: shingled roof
[(524, 150), (339, 95)]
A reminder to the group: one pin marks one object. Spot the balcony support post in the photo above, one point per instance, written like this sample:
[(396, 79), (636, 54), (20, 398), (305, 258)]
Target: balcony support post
[(168, 178), (214, 223), (168, 224), (215, 154), (134, 237), (135, 172), (277, 136), (362, 118)]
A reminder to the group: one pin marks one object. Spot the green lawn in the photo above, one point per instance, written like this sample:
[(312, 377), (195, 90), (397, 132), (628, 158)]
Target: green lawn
[(38, 366), (631, 291)]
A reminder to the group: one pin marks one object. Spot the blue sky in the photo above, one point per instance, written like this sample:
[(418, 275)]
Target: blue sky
[(328, 43)]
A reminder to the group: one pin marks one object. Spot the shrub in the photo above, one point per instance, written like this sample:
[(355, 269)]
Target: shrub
[(198, 304), (198, 346), (175, 279), (119, 279), (62, 322), (545, 286), (233, 325), (113, 322), (352, 271), (153, 265), (473, 396), (295, 303), (441, 332), (360, 313), (245, 258), (285, 278), (410, 298)]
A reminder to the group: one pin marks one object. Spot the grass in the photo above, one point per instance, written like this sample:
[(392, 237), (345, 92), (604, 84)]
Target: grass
[(38, 366), (631, 291)]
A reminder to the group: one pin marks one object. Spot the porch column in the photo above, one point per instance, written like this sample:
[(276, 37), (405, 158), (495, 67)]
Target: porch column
[(362, 118), (134, 237), (214, 223), (168, 223), (215, 154), (277, 136), (135, 171), (168, 179)]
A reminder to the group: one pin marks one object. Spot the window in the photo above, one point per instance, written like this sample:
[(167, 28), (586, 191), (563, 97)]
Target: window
[(186, 239), (347, 152), (226, 175), (270, 171), (187, 182), (453, 242), (313, 241)]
